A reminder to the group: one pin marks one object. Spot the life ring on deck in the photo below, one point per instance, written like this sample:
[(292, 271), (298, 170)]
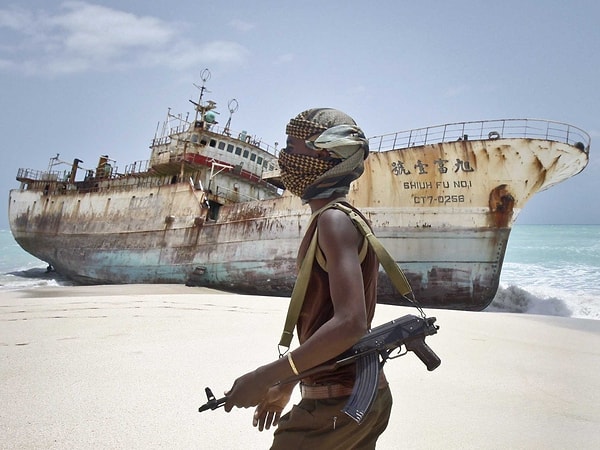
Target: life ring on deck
[(493, 135)]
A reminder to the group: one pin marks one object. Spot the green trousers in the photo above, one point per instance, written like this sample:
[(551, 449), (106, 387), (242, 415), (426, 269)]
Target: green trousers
[(320, 424)]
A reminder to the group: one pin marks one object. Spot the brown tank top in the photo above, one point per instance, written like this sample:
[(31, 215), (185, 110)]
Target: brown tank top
[(318, 307)]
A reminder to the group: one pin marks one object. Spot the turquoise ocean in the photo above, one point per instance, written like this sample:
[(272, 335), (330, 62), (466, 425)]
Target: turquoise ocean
[(548, 269)]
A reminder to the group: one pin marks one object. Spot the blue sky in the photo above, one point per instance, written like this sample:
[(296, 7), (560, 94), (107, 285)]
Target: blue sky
[(88, 78)]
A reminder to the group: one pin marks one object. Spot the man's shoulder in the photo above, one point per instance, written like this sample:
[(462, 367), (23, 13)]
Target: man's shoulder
[(335, 224), (333, 215)]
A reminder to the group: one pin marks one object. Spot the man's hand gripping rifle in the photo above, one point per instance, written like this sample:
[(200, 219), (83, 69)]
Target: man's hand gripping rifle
[(370, 353)]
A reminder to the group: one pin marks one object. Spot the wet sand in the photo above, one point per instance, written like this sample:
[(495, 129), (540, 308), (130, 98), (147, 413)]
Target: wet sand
[(124, 367)]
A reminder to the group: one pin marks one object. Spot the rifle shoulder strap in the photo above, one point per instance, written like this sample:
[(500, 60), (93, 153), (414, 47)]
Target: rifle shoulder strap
[(385, 259), (299, 292)]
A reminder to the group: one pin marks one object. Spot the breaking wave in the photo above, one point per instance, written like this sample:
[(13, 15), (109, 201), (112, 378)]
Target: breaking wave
[(515, 299)]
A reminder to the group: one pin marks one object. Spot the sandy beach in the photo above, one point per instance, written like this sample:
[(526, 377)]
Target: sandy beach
[(125, 367)]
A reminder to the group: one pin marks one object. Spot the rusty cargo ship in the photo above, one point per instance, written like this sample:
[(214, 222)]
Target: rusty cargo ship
[(208, 208)]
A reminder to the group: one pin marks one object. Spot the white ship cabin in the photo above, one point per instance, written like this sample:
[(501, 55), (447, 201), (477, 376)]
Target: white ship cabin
[(229, 166)]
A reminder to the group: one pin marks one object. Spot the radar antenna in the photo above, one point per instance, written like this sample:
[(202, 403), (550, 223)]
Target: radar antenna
[(204, 76), (233, 106)]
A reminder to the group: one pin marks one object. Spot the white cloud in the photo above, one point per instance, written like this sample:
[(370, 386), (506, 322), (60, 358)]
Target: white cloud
[(87, 37), (15, 19), (241, 25)]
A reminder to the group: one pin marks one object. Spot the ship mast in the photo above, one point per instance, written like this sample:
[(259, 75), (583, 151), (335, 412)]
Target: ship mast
[(201, 109)]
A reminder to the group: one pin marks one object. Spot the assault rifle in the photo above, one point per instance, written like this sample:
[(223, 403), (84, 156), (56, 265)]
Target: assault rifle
[(370, 353)]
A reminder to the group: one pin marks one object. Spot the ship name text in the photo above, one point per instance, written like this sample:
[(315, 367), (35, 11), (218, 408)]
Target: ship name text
[(438, 168), (408, 185)]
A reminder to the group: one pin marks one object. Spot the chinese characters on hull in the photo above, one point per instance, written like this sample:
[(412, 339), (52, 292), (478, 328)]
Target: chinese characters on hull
[(441, 167), (399, 168)]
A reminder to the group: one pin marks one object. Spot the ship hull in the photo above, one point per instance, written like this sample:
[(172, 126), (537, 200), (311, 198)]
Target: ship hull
[(444, 211)]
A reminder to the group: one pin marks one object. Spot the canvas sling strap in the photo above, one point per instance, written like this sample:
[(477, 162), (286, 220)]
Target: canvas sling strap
[(299, 292)]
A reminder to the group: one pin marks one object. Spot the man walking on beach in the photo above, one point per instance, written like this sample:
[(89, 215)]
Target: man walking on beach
[(324, 154)]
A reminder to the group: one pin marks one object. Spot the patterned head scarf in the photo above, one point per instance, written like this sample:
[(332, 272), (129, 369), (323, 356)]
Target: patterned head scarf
[(335, 131)]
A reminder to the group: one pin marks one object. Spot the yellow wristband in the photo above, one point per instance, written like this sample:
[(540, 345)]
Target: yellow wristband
[(292, 365)]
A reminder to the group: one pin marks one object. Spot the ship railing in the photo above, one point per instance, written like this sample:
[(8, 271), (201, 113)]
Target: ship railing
[(163, 140), (246, 137), (137, 167), (484, 130), (42, 175), (243, 136)]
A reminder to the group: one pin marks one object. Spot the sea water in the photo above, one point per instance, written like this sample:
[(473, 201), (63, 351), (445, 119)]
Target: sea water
[(552, 270), (548, 269), (20, 270)]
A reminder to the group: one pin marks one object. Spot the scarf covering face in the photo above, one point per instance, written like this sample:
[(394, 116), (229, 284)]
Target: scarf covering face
[(332, 130), (300, 171)]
